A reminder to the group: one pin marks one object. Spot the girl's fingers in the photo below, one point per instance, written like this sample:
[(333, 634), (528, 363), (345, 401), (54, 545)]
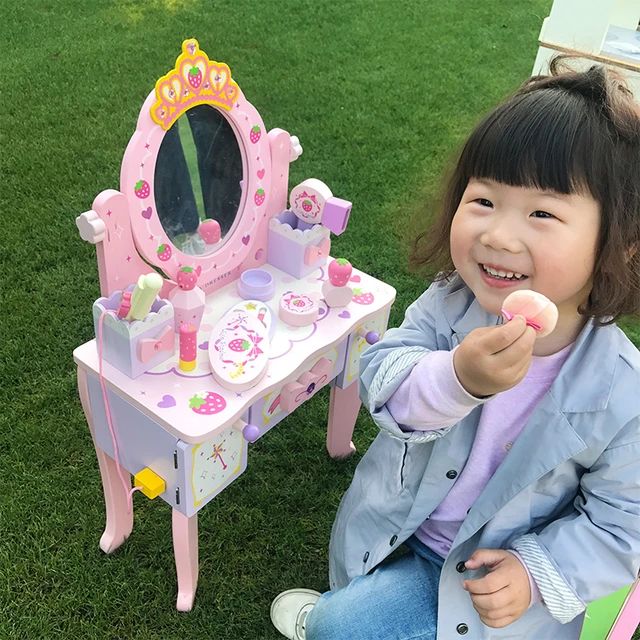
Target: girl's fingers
[(493, 602), (519, 352), (502, 337)]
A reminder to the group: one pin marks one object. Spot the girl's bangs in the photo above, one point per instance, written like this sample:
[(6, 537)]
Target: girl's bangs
[(537, 141)]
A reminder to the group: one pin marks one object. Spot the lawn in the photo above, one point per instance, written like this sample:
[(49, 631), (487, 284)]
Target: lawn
[(380, 94)]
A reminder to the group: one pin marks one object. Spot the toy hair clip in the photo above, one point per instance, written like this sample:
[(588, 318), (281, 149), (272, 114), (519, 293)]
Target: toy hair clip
[(125, 304)]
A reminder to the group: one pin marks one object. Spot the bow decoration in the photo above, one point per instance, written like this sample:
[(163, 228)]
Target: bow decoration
[(315, 253), (149, 347)]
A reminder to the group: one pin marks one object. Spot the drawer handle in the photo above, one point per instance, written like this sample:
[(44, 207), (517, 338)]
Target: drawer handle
[(295, 393), (370, 336)]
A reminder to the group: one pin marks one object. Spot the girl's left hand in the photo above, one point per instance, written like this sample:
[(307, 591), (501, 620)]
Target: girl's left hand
[(504, 594)]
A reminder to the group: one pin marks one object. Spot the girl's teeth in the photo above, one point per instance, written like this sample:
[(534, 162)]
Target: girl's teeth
[(502, 274)]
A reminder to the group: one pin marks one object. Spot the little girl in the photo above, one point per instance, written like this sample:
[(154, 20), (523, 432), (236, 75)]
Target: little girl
[(508, 465)]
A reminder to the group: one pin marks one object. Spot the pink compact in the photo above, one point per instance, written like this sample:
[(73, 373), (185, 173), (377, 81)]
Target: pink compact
[(539, 312)]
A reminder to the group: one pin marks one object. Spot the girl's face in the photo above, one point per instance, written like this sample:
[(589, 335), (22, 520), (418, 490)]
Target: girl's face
[(506, 238)]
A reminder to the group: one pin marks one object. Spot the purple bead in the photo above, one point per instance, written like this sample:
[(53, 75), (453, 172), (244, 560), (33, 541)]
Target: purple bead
[(372, 337)]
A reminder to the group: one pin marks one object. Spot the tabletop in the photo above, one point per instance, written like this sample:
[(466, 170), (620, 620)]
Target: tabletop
[(165, 393)]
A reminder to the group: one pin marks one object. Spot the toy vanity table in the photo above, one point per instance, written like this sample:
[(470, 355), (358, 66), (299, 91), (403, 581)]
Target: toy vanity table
[(221, 310)]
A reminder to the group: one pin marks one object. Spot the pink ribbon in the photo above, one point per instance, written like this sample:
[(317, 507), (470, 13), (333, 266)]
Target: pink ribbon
[(148, 347), (315, 253)]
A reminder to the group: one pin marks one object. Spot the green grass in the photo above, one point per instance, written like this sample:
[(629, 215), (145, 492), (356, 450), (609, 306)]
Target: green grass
[(380, 94)]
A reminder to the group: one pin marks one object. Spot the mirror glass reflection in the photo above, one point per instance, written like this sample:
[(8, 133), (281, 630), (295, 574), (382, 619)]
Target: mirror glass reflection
[(198, 180)]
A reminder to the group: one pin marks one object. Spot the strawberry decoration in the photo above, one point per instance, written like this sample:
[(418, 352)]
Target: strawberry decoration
[(207, 403), (239, 345), (306, 205), (142, 189), (164, 252), (255, 134), (259, 197), (188, 277), (195, 77), (340, 272), (362, 297)]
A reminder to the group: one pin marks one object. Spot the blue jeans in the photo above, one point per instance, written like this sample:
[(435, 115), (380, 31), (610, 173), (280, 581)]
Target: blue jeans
[(398, 601)]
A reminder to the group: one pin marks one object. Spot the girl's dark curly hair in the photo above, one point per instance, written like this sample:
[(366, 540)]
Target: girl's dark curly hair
[(570, 132)]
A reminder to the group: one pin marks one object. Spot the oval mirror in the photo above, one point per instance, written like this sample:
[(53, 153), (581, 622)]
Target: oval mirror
[(198, 181)]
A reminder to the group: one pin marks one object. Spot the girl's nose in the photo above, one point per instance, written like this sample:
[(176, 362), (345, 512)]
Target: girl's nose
[(500, 237)]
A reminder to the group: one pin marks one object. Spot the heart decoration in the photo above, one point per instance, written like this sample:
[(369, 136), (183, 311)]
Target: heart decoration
[(167, 402), (204, 346), (345, 314), (320, 312), (354, 279), (245, 240), (171, 90), (147, 213), (261, 174), (218, 77)]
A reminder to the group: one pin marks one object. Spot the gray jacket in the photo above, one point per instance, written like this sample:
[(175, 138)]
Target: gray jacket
[(566, 497)]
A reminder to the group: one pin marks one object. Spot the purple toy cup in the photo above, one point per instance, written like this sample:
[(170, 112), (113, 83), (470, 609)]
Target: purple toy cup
[(256, 284)]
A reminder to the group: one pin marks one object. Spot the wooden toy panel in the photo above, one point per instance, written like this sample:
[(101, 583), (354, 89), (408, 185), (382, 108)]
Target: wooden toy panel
[(357, 344)]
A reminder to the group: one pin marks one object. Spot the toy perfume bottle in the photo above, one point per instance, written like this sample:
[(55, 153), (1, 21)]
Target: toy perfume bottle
[(187, 298)]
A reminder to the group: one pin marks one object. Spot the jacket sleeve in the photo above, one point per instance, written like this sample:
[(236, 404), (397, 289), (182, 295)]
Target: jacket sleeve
[(385, 365), (595, 550)]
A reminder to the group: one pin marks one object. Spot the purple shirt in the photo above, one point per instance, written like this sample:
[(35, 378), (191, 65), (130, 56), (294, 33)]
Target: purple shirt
[(431, 397)]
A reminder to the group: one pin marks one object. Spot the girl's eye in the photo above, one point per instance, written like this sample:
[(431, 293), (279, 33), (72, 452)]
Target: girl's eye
[(484, 202), (542, 214)]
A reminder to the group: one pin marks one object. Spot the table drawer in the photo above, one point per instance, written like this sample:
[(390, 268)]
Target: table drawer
[(278, 404)]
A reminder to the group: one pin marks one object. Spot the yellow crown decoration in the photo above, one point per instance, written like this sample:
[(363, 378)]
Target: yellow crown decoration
[(194, 80)]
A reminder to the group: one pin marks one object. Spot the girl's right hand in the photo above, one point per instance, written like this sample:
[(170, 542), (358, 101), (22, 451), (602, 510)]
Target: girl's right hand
[(493, 359)]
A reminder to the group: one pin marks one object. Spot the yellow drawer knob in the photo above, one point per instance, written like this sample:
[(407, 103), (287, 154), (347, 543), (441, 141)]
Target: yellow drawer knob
[(152, 484)]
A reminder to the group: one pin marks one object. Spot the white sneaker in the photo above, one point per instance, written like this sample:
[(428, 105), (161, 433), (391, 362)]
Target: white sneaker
[(289, 611)]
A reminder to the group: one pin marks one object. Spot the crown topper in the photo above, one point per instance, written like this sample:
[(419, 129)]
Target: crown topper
[(194, 80)]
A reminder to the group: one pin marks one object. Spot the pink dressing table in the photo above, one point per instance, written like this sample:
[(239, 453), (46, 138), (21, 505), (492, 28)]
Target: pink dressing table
[(182, 425)]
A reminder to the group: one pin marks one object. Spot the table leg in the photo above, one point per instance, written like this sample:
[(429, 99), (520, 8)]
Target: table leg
[(185, 548), (344, 405), (119, 522)]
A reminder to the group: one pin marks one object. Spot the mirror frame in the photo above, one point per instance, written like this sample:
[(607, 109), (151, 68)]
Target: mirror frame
[(174, 94)]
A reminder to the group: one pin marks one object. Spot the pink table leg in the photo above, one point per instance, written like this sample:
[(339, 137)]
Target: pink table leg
[(185, 548), (119, 522), (344, 405), (629, 618)]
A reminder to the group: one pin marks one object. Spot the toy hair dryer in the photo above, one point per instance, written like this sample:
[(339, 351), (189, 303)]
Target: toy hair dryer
[(144, 293)]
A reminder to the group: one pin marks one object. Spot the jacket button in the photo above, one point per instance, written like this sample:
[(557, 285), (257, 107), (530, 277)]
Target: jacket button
[(366, 557), (452, 474), (462, 629), (460, 568), (393, 540)]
